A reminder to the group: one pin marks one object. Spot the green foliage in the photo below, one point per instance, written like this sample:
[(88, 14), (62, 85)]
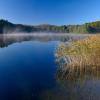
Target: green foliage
[(93, 27)]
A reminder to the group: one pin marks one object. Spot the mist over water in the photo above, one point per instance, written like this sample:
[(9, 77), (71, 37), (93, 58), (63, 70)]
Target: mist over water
[(45, 36)]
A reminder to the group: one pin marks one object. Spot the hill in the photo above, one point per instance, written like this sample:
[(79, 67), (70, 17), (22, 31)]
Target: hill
[(8, 27)]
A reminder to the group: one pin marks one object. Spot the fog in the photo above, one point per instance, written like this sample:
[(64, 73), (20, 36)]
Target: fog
[(48, 36)]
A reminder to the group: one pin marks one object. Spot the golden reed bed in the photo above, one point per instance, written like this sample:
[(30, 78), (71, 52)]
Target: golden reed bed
[(84, 58), (82, 53)]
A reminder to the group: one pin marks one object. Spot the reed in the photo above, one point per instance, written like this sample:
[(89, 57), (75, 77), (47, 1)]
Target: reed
[(82, 53), (84, 56)]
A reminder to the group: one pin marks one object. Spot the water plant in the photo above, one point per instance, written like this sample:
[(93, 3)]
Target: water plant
[(82, 56)]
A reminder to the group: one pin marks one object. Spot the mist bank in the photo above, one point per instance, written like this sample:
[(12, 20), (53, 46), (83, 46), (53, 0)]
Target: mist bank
[(8, 39), (7, 27)]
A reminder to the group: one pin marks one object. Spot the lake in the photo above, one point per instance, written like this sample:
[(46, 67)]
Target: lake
[(28, 71)]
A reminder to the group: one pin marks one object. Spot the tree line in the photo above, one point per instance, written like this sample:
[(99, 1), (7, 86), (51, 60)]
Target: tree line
[(92, 27)]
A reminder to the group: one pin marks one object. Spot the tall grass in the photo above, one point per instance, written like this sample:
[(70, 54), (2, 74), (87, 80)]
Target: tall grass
[(84, 56), (84, 52)]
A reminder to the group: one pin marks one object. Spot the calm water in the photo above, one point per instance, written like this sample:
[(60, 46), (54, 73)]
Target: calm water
[(28, 72)]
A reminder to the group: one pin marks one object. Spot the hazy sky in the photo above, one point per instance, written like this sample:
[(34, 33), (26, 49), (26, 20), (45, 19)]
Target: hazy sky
[(50, 11)]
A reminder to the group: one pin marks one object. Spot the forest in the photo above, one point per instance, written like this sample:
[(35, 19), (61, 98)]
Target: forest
[(8, 27)]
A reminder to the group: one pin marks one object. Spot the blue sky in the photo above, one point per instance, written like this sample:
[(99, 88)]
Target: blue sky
[(57, 12)]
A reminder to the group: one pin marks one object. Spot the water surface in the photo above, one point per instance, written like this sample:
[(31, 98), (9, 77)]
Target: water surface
[(28, 71)]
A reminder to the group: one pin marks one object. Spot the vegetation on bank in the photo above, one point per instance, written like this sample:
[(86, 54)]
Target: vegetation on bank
[(84, 52), (8, 27), (84, 56)]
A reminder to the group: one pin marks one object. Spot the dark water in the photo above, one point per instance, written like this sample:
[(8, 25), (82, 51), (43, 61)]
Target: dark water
[(26, 69), (28, 72)]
